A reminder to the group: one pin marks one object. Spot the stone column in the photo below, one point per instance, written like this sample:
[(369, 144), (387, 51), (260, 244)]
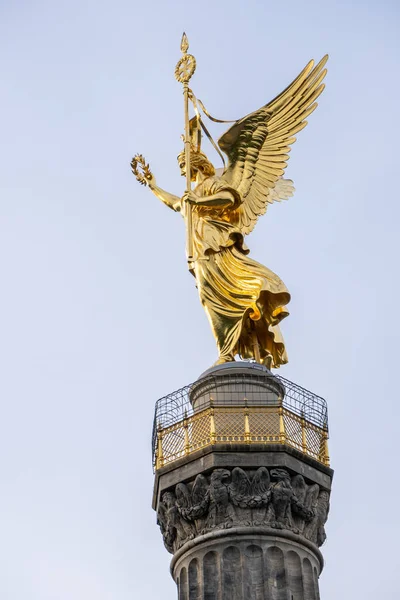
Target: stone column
[(243, 510), (252, 563)]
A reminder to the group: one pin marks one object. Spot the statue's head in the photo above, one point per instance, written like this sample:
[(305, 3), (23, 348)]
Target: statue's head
[(168, 499), (220, 475), (280, 475), (198, 162)]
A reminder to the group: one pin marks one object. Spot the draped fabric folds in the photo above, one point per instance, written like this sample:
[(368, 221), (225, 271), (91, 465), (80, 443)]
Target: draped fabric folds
[(239, 295), (233, 288)]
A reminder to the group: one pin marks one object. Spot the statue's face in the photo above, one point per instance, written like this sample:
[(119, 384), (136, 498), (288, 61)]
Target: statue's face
[(220, 475), (182, 167), (168, 499), (279, 475)]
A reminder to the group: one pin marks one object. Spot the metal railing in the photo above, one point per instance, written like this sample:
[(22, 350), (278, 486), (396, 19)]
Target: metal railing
[(282, 413)]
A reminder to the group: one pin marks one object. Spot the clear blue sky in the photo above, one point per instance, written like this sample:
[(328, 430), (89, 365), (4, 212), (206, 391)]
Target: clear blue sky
[(99, 316)]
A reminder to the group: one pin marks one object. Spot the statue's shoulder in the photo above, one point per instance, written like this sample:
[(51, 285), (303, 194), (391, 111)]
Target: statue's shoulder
[(208, 185)]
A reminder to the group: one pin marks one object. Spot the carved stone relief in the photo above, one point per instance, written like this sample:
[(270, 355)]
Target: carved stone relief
[(243, 498)]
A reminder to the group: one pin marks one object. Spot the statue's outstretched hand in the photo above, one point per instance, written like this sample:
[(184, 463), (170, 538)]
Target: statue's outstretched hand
[(141, 171)]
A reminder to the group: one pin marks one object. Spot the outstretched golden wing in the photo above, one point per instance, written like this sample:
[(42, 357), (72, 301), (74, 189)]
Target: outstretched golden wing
[(257, 146)]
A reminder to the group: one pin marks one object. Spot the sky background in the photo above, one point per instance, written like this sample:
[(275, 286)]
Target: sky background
[(99, 316)]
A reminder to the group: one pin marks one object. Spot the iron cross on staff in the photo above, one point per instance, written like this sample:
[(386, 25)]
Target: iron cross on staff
[(183, 72)]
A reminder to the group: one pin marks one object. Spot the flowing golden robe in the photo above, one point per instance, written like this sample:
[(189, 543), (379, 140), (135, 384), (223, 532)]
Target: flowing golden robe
[(239, 295)]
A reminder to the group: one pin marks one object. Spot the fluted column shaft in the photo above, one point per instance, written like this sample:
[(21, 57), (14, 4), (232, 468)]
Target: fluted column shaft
[(246, 566)]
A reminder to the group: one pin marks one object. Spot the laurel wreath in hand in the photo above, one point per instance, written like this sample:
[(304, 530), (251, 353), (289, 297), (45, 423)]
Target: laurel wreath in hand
[(141, 169)]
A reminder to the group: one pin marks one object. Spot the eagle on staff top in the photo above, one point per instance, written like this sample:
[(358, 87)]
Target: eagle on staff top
[(244, 300)]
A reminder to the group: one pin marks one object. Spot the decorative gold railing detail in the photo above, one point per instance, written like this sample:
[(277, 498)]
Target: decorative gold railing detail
[(240, 425)]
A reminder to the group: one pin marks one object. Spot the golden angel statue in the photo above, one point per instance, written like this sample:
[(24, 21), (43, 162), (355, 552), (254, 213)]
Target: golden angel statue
[(244, 301)]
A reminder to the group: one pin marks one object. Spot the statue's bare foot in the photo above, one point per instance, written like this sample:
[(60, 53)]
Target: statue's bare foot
[(267, 361)]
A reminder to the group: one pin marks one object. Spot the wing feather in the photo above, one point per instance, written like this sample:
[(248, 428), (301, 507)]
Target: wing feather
[(258, 145)]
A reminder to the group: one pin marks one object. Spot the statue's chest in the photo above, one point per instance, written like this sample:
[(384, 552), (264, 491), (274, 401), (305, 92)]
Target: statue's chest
[(219, 493), (281, 493)]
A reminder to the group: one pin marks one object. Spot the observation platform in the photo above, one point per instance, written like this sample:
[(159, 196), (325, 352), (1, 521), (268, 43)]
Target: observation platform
[(239, 404)]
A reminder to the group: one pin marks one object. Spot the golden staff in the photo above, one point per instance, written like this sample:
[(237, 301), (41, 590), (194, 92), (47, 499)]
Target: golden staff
[(183, 72)]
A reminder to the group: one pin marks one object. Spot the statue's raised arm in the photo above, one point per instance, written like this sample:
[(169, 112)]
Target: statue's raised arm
[(143, 174)]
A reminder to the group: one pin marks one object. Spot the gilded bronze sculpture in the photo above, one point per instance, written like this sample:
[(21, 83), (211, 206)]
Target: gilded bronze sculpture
[(244, 301)]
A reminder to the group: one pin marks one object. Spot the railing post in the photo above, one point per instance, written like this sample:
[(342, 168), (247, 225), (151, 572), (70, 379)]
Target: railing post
[(186, 433), (282, 431), (159, 452), (324, 450), (247, 438), (303, 434), (213, 434)]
